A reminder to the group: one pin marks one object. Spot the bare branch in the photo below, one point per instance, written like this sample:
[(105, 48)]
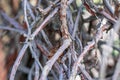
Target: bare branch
[(11, 20), (50, 63), (87, 48), (44, 23), (66, 42), (18, 60), (25, 17), (108, 6)]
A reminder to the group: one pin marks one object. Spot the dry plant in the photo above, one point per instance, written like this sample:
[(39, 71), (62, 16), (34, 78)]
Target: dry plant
[(59, 40)]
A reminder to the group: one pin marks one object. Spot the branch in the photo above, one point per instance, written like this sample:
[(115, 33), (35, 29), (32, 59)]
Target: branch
[(93, 9), (50, 63), (44, 23), (11, 20), (49, 8), (37, 74), (18, 60), (76, 23), (91, 44), (66, 41), (35, 56), (25, 17), (13, 29), (108, 6)]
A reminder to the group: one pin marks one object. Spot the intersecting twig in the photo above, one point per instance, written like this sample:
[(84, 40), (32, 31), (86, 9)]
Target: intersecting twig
[(65, 44), (76, 23), (44, 23), (35, 56), (18, 60), (87, 48), (108, 6), (11, 20), (50, 63), (47, 10), (93, 9), (66, 60), (85, 72)]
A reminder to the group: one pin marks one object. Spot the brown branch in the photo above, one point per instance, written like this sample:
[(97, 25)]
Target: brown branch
[(64, 28), (66, 41), (105, 14), (93, 9)]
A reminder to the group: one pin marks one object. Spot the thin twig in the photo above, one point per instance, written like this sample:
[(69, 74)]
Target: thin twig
[(61, 75), (49, 8), (108, 6), (37, 74), (91, 44), (76, 23), (79, 43), (46, 53), (105, 14), (11, 20), (54, 75), (85, 72), (46, 39), (70, 21), (82, 68), (30, 10), (50, 63), (44, 23), (13, 29), (35, 56), (96, 10), (18, 60), (65, 44), (31, 72), (25, 17)]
